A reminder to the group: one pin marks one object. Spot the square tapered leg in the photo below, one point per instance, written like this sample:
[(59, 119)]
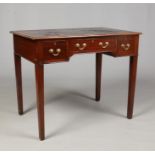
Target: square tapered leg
[(132, 84), (18, 73), (98, 75), (39, 71)]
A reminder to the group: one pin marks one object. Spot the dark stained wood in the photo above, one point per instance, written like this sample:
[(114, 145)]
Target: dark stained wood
[(132, 85), (72, 33), (132, 51), (126, 40), (92, 45), (44, 56), (39, 71), (38, 51), (98, 75), (25, 48), (41, 46), (18, 74), (111, 47), (89, 45), (132, 78)]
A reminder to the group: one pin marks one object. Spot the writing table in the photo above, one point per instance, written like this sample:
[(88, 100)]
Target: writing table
[(58, 45)]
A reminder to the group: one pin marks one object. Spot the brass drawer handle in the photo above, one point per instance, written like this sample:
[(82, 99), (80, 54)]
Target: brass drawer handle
[(104, 45), (125, 46), (84, 45), (53, 52)]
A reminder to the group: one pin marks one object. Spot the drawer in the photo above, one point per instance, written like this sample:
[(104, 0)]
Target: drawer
[(81, 45), (54, 51), (93, 45), (107, 44), (126, 45)]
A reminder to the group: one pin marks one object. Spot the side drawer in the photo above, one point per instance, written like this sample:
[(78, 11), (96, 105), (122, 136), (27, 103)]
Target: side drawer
[(126, 45), (53, 51)]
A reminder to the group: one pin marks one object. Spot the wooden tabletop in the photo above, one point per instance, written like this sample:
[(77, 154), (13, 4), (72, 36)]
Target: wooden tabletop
[(71, 33)]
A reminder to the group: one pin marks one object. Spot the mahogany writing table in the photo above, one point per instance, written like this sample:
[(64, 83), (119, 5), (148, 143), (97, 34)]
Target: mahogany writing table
[(57, 45)]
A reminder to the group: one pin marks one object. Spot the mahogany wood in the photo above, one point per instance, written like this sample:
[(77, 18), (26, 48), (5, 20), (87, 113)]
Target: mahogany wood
[(132, 84), (98, 75), (39, 71), (41, 46), (18, 73)]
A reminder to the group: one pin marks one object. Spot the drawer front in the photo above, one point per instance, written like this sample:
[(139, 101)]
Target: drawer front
[(107, 44), (80, 45), (126, 45), (54, 51)]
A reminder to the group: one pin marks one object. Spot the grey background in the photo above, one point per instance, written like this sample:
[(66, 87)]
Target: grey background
[(74, 121)]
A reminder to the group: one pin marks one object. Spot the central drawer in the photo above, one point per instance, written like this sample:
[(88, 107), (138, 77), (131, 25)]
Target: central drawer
[(106, 44), (103, 44), (80, 45)]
